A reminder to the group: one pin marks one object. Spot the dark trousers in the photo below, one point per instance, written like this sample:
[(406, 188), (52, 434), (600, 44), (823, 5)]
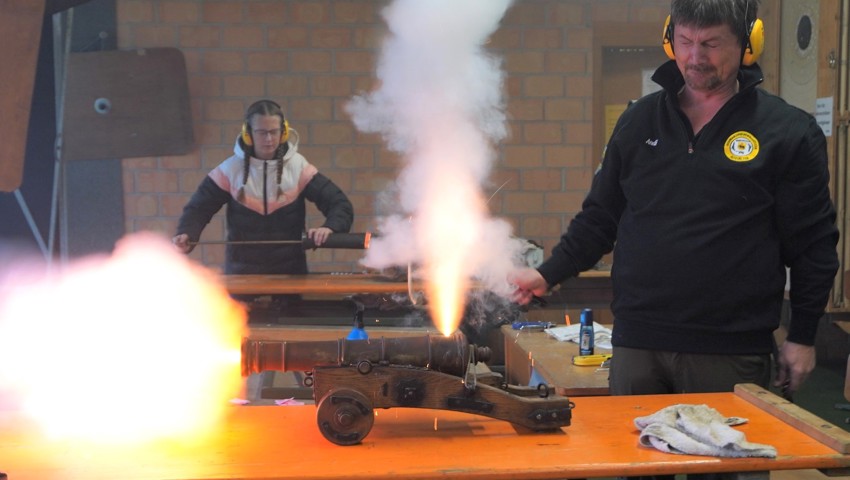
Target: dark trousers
[(644, 372)]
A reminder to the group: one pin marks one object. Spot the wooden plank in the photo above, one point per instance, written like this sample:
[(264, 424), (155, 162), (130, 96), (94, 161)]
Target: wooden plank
[(552, 360), (835, 437), (285, 443), (20, 29)]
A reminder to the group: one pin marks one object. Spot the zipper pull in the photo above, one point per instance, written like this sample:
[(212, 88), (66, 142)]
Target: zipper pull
[(690, 148)]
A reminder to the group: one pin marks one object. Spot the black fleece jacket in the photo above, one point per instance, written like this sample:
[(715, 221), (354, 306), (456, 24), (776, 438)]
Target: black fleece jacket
[(703, 226)]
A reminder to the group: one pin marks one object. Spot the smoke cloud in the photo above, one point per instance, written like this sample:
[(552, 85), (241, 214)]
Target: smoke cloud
[(440, 104)]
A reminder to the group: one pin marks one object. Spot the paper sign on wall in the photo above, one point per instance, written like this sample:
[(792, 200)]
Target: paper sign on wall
[(823, 114)]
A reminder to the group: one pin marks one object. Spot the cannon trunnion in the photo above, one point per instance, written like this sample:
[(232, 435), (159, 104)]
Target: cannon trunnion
[(350, 378)]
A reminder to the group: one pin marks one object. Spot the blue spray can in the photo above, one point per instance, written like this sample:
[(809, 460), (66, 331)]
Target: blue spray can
[(585, 336)]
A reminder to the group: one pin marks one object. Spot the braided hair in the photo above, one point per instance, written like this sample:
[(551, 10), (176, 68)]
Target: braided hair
[(262, 107)]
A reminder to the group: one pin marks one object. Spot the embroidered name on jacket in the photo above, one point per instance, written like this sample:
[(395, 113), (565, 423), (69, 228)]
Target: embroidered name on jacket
[(741, 147)]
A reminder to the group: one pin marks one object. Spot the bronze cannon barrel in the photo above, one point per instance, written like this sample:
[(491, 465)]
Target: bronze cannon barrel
[(443, 354)]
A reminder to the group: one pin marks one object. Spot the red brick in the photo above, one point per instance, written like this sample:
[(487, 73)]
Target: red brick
[(541, 227), (362, 11), (580, 38), (199, 37), (130, 11), (525, 109), (306, 109), (242, 37), (564, 156), (543, 38), (188, 161), (526, 13), (558, 109), (308, 12), (156, 181), (221, 12), (172, 205), (544, 86), (579, 86), (270, 12), (523, 156), (139, 163), (331, 134), (566, 62), (266, 61), (561, 202), (503, 180), (211, 157), (524, 62), (320, 156), (179, 12), (153, 224), (150, 36), (204, 85), (372, 139), (140, 205), (522, 202), (579, 133), (193, 60), (506, 37), (331, 37), (374, 181), (609, 12), (354, 62), (286, 85), (244, 85), (579, 179), (570, 13), (368, 37), (541, 180), (222, 62), (224, 110), (338, 86), (288, 37), (542, 132), (311, 61), (354, 157), (389, 159)]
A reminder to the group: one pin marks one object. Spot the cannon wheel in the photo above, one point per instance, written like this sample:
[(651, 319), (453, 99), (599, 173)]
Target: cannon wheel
[(345, 416)]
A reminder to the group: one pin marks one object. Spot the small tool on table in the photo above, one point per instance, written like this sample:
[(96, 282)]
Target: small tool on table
[(537, 326)]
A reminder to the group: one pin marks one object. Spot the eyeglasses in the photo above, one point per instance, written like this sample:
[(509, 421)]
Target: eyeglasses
[(263, 133)]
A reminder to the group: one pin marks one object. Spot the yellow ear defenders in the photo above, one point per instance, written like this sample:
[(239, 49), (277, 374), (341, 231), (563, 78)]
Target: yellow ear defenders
[(246, 133), (752, 50)]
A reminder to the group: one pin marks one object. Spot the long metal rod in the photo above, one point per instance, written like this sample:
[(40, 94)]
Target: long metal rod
[(248, 242)]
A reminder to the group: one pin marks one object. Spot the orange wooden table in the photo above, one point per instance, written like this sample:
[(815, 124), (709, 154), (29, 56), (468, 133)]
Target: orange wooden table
[(285, 443)]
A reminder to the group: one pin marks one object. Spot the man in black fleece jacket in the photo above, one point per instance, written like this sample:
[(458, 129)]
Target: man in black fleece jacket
[(708, 190)]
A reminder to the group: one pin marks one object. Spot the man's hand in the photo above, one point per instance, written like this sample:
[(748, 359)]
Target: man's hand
[(319, 235), (529, 283), (181, 243), (795, 363)]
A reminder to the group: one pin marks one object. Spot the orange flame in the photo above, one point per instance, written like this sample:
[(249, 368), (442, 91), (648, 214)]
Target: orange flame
[(139, 346), (451, 222)]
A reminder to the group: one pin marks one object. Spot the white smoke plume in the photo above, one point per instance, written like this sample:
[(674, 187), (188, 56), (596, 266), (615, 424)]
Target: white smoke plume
[(440, 104)]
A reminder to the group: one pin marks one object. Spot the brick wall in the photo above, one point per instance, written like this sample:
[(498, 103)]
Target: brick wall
[(313, 56)]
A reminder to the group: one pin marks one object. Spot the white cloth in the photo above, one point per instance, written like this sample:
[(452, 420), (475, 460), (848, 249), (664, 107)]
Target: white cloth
[(698, 430), (570, 333)]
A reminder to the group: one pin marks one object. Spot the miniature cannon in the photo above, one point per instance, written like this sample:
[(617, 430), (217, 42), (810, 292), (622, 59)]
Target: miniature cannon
[(350, 378)]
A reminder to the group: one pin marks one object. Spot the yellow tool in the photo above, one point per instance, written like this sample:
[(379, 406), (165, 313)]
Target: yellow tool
[(590, 360)]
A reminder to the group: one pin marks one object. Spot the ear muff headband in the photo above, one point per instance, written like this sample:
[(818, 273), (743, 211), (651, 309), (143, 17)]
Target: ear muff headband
[(246, 128), (752, 50)]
